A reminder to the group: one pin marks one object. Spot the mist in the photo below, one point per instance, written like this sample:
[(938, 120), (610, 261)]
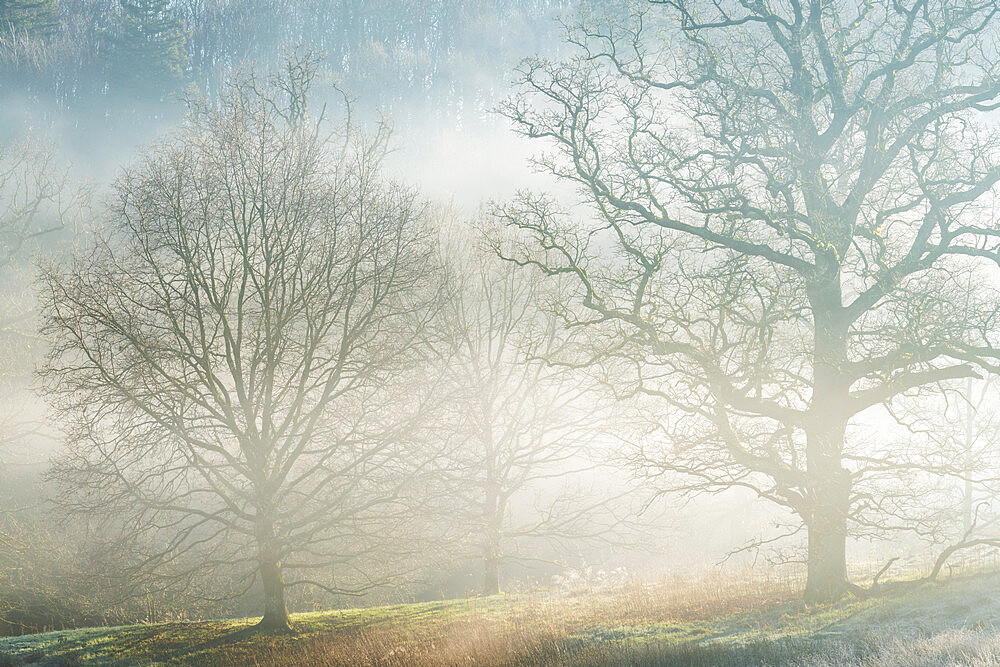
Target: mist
[(553, 322)]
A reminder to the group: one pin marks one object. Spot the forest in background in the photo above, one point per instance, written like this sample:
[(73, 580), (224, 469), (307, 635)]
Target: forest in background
[(115, 66)]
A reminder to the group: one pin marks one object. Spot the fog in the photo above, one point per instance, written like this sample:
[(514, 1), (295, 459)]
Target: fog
[(332, 304)]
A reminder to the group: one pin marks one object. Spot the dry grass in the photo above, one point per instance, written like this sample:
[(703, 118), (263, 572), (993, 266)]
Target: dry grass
[(545, 628), (710, 621)]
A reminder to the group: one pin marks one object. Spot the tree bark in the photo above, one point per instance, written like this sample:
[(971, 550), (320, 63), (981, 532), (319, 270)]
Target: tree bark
[(829, 492), (275, 610), (491, 575), (492, 556), (969, 463), (827, 557), (493, 506), (826, 518)]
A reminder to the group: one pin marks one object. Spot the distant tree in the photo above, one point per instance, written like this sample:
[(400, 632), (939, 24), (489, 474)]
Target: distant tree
[(28, 30), (956, 432), (441, 58), (40, 209), (787, 203), (37, 200), (225, 357), (519, 427), (979, 428), (37, 18), (148, 49)]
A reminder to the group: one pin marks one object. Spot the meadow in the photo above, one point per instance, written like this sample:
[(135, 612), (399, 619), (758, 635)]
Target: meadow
[(713, 621)]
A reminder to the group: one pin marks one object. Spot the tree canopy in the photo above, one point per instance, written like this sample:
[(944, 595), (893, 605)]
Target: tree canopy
[(223, 356), (785, 205)]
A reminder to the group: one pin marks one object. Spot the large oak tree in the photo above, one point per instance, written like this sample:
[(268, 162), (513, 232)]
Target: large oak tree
[(225, 356), (786, 204)]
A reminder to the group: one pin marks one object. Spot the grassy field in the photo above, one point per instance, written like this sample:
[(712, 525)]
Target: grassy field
[(708, 623)]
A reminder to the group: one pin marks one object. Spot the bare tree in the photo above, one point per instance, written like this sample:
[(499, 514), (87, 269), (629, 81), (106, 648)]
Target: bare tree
[(40, 209), (787, 203), (522, 431), (955, 431), (226, 356), (40, 212)]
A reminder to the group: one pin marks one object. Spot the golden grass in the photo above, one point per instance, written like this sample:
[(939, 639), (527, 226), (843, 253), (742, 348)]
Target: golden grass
[(713, 620), (542, 628)]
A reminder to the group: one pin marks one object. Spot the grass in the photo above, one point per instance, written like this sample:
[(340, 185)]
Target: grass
[(712, 622)]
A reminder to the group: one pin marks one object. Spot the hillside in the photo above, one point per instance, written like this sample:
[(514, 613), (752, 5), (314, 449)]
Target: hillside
[(955, 622)]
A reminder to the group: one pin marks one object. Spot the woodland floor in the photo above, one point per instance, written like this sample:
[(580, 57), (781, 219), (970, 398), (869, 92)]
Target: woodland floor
[(956, 622)]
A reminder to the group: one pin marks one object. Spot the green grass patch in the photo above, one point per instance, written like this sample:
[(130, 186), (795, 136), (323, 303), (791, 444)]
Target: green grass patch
[(638, 626)]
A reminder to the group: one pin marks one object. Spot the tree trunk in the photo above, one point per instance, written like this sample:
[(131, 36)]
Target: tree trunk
[(970, 439), (829, 492), (275, 611), (827, 560), (826, 521), (493, 537), (491, 575)]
